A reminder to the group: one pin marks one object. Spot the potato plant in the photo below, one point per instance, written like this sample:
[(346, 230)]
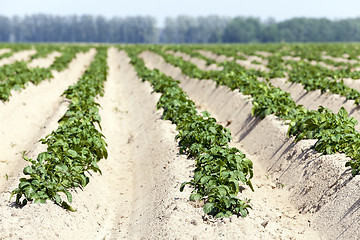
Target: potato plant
[(16, 76), (219, 168), (74, 148), (335, 132)]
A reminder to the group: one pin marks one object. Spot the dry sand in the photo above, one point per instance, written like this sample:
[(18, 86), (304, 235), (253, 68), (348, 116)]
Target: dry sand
[(317, 184), (4, 50), (26, 114), (271, 202), (249, 65), (197, 61), (264, 54), (245, 63), (28, 118), (339, 59), (44, 62), (313, 99), (323, 64), (138, 196), (217, 58), (18, 56)]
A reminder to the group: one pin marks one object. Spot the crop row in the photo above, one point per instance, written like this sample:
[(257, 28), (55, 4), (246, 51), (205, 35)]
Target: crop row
[(74, 148), (334, 132), (16, 76), (13, 48), (312, 77), (219, 168), (349, 53)]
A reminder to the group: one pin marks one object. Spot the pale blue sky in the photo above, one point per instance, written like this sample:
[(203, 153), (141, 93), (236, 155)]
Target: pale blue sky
[(278, 9)]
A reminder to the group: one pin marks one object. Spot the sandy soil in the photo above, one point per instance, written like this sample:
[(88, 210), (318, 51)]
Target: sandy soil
[(218, 58), (4, 50), (323, 64), (44, 62), (339, 59), (27, 118), (272, 207), (249, 65), (26, 114), (245, 63), (353, 83), (251, 58), (264, 54), (292, 58), (18, 56), (313, 99), (197, 61), (138, 197), (317, 184)]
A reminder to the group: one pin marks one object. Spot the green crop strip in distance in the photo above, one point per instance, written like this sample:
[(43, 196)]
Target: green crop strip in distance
[(335, 132), (219, 168), (317, 51), (74, 148), (14, 48), (42, 50), (192, 53), (67, 54), (321, 78), (311, 77), (6, 55), (15, 76)]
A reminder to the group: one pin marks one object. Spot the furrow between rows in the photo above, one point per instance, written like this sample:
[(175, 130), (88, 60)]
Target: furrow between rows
[(318, 184)]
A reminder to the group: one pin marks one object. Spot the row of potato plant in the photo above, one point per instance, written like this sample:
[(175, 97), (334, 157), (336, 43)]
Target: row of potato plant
[(312, 77), (219, 168), (74, 148), (335, 132), (310, 52), (42, 50), (13, 48), (318, 51), (15, 76)]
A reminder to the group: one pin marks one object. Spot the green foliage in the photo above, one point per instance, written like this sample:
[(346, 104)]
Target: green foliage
[(67, 54), (199, 133), (42, 50), (16, 76), (74, 148), (321, 78), (217, 175), (335, 132), (13, 48), (219, 169)]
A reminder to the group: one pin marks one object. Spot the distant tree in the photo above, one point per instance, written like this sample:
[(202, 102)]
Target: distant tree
[(186, 29), (182, 29), (211, 29), (5, 29), (270, 31), (243, 30), (102, 30), (169, 33)]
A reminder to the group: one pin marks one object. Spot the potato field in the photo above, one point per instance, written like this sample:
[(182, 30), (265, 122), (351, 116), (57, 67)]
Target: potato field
[(252, 141)]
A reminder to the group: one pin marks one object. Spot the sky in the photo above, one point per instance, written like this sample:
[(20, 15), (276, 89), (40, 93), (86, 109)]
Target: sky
[(160, 9)]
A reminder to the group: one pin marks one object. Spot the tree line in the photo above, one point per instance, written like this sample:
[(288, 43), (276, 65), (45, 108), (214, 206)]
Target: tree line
[(181, 29), (85, 28)]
